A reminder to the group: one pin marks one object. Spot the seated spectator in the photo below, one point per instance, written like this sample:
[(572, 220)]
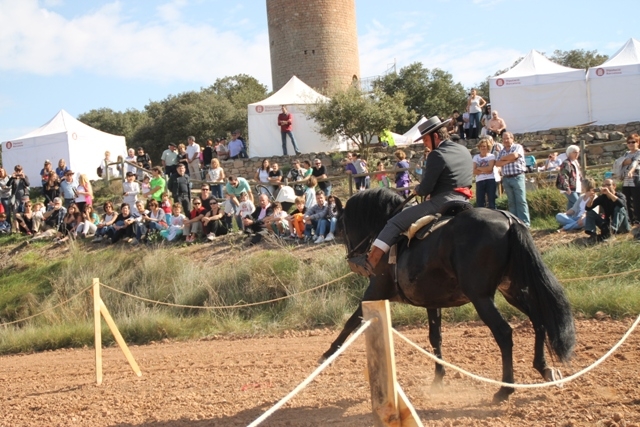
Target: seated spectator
[(193, 225), (612, 215), (176, 224), (5, 227), (295, 175), (69, 224), (89, 224), (262, 176), (483, 164), (255, 222), (140, 226), (130, 189), (124, 225), (573, 219), (246, 207), (496, 125), (105, 226), (51, 189), (26, 220), (316, 219), (38, 215), (275, 178), (296, 219), (166, 206), (310, 193), (530, 163), (306, 167), (52, 220), (62, 169), (277, 222), (320, 172), (381, 179), (215, 176), (212, 223), (235, 187), (335, 206), (153, 220), (551, 164)]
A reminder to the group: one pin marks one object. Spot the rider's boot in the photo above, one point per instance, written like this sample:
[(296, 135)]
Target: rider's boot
[(365, 264)]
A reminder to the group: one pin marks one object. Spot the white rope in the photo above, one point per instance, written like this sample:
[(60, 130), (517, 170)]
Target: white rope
[(311, 377), (539, 385)]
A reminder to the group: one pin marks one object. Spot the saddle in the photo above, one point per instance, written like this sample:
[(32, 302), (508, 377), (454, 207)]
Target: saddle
[(430, 223)]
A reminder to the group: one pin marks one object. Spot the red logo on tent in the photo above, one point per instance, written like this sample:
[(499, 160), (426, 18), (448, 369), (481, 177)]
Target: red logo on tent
[(500, 82), (74, 136), (9, 145), (259, 108), (599, 72)]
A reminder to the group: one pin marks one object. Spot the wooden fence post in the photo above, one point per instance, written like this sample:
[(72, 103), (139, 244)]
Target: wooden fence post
[(97, 326), (389, 404)]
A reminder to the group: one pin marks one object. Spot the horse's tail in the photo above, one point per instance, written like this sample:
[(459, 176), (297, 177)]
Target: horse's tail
[(539, 290)]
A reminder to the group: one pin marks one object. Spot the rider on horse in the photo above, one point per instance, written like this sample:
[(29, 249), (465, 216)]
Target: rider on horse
[(447, 177)]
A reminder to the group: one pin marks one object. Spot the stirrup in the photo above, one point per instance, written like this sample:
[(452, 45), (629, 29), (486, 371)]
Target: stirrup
[(359, 264)]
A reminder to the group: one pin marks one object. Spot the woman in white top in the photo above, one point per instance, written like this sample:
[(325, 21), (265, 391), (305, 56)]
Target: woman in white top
[(483, 164), (262, 175), (631, 179), (216, 174), (84, 193), (573, 219), (474, 106)]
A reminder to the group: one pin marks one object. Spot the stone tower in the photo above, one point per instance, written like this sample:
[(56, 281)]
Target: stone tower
[(316, 40)]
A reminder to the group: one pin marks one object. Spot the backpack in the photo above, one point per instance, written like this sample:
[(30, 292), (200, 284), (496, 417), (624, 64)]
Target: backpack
[(617, 168)]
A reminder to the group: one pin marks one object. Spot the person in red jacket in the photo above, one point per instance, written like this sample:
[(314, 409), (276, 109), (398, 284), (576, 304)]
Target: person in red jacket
[(285, 121)]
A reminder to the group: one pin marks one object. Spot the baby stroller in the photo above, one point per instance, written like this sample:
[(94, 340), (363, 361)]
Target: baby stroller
[(286, 196)]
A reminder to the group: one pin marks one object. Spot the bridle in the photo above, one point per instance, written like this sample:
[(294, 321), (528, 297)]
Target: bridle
[(368, 239)]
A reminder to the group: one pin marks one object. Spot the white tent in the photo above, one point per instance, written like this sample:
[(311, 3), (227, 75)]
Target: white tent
[(62, 137), (538, 94), (614, 87), (264, 133), (411, 135)]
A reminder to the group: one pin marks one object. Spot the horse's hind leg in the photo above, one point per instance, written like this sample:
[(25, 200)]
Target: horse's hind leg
[(435, 338), (539, 361), (503, 335)]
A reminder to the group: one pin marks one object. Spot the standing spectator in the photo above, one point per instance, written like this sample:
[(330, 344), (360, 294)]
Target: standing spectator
[(612, 215), (46, 171), (236, 146), (130, 189), (484, 121), (182, 189), (84, 193), (108, 166), (183, 158), (511, 160), (275, 178), (381, 179), (5, 194), (61, 169), (360, 165), (466, 130), (144, 161), (19, 183), (320, 172), (51, 189), (496, 125), (285, 121), (68, 189), (483, 164), (157, 184), (262, 176), (552, 163), (132, 160), (145, 186), (569, 180), (169, 159), (474, 105), (296, 174), (221, 149), (207, 156), (193, 159), (631, 179), (216, 176), (403, 178)]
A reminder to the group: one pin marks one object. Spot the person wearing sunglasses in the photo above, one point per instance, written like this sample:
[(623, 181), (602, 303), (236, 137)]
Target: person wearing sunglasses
[(612, 216), (193, 225)]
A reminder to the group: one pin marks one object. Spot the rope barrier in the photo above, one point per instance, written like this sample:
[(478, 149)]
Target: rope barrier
[(604, 276), (48, 309), (168, 304), (311, 377), (525, 386)]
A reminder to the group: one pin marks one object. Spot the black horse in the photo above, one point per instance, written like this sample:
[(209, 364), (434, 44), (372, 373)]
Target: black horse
[(466, 260)]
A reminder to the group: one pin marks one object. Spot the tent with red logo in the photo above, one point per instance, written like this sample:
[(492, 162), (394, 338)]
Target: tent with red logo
[(614, 87), (63, 137), (264, 133), (538, 94)]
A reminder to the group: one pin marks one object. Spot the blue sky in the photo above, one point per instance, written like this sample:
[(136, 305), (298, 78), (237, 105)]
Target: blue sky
[(80, 55)]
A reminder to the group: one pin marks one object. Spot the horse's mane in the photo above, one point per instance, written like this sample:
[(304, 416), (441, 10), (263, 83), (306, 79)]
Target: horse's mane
[(370, 209)]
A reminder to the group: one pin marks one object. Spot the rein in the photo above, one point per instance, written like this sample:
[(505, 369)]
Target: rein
[(369, 238)]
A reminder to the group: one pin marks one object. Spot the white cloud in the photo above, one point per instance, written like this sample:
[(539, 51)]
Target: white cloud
[(106, 43), (487, 3)]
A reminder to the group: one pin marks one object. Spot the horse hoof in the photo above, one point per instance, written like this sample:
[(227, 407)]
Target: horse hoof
[(553, 374), (322, 359), (437, 386), (502, 395)]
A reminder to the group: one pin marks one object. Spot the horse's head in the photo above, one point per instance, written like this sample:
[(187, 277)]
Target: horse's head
[(364, 215)]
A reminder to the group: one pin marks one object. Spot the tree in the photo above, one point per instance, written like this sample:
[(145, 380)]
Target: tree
[(428, 92), (115, 122), (578, 58), (359, 117)]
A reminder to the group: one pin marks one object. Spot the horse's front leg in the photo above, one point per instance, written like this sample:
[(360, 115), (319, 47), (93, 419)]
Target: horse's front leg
[(435, 338)]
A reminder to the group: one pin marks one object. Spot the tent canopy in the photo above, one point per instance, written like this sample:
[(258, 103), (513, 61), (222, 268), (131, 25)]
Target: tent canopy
[(614, 87), (62, 137), (538, 94), (264, 131)]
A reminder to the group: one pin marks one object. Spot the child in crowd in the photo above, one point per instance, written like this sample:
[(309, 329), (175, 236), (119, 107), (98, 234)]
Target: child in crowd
[(246, 206), (106, 225), (310, 192), (277, 222), (296, 221), (176, 224), (332, 216), (5, 227), (381, 178), (130, 189), (145, 187), (166, 207)]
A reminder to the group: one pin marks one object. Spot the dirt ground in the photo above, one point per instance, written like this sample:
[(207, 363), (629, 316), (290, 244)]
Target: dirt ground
[(231, 382)]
